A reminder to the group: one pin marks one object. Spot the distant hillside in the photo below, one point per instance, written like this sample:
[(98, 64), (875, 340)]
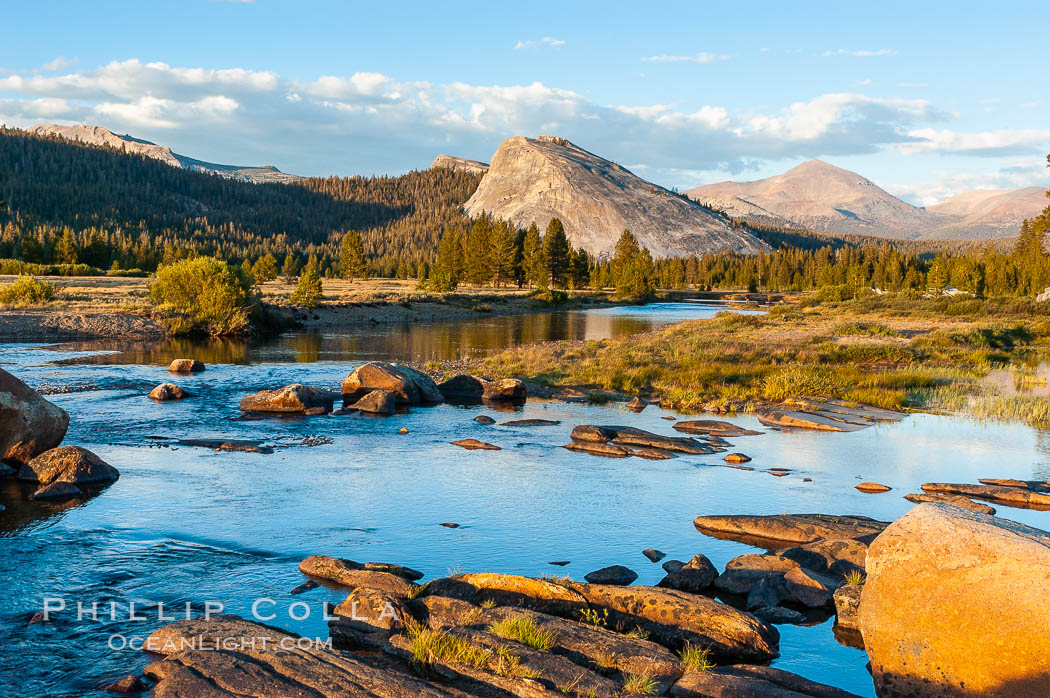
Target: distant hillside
[(535, 180), (137, 211), (989, 212), (822, 197), (97, 135), (826, 198)]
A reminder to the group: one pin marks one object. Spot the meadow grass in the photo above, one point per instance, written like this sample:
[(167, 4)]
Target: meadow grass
[(889, 352)]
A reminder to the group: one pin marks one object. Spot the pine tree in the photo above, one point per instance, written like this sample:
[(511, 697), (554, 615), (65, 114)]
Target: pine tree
[(308, 292), (444, 275), (556, 253), (533, 265), (291, 266), (477, 253), (66, 248), (265, 268), (352, 263), (503, 253)]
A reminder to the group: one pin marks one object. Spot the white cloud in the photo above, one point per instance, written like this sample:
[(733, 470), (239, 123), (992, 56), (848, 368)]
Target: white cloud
[(864, 82), (59, 63), (548, 41), (703, 57), (861, 53), (369, 122), (987, 143)]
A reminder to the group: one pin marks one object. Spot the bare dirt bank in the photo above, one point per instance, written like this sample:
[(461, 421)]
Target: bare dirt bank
[(48, 324)]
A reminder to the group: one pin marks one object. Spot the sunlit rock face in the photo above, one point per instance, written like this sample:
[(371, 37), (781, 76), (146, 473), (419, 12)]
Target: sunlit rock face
[(537, 179)]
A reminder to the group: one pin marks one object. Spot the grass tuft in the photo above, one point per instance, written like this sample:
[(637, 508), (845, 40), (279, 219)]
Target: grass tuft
[(696, 658), (639, 685), (525, 631)]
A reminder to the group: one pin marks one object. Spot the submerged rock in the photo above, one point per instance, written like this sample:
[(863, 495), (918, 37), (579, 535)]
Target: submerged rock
[(1010, 496), (636, 404), (166, 392), (736, 458), (58, 490), (241, 445), (956, 500), (29, 424), (68, 464), (614, 574), (955, 603), (629, 436), (407, 385), (474, 445), (788, 528), (291, 399), (353, 574), (654, 555), (596, 448), (484, 419), (186, 366), (127, 685), (376, 402), (531, 423), (713, 427), (793, 419), (873, 487), (1038, 485)]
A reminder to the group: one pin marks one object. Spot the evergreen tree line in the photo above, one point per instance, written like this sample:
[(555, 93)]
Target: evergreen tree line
[(80, 207), (72, 203)]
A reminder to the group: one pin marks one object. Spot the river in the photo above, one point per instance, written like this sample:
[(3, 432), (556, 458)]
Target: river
[(191, 525)]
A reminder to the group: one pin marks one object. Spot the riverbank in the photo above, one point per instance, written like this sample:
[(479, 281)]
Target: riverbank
[(116, 307), (894, 352)]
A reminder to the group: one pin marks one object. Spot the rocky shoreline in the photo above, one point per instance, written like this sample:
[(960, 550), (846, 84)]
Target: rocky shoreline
[(946, 600)]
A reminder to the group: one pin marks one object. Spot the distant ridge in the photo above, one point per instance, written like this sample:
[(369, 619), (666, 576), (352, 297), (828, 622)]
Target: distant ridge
[(461, 164), (97, 135), (535, 180), (823, 197), (990, 212)]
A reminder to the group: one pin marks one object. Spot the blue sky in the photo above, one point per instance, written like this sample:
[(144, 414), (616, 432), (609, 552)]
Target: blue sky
[(927, 99)]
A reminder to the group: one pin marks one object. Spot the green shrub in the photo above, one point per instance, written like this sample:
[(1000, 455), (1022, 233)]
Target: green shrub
[(308, 292), (211, 296), (27, 291)]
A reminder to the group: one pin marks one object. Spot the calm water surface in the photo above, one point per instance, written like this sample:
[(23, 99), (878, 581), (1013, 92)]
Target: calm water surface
[(189, 525)]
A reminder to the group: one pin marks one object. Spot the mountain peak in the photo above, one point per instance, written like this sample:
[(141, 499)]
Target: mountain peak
[(537, 179), (99, 135)]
